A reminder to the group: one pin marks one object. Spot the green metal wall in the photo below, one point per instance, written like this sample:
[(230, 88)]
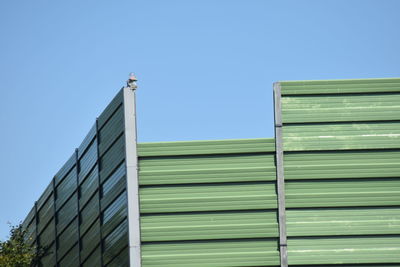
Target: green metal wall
[(208, 203), (341, 142), (82, 215)]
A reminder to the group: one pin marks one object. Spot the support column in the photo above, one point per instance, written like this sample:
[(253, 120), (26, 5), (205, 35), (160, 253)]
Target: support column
[(132, 177), (280, 175)]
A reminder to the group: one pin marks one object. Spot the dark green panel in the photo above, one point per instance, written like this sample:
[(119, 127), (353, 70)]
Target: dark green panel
[(68, 238), (121, 260), (114, 214), (110, 109), (94, 260), (116, 241), (49, 259), (113, 186), (67, 213), (66, 188), (87, 140), (89, 213), (111, 130), (30, 233), (47, 236), (113, 158), (71, 259), (90, 240), (89, 187), (46, 213), (87, 161), (46, 194), (79, 195), (65, 169)]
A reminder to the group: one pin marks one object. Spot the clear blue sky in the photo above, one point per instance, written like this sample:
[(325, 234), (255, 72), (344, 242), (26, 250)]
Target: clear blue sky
[(205, 67)]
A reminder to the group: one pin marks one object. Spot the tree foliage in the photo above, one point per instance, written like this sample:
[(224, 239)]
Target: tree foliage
[(14, 252)]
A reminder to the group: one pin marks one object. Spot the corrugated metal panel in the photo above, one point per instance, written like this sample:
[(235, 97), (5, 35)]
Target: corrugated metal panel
[(121, 260), (94, 260), (68, 212), (342, 164), (207, 169), (206, 147), (90, 240), (208, 203), (208, 198), (212, 254), (71, 259), (322, 87), (227, 225), (343, 221), (116, 241), (339, 250), (341, 136)]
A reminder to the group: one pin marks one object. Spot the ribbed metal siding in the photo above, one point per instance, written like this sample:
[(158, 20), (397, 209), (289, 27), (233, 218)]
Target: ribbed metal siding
[(208, 203), (342, 165), (76, 207)]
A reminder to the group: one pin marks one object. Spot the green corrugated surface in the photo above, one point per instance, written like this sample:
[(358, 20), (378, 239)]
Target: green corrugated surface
[(208, 203), (66, 203), (211, 254), (341, 143), (206, 147), (335, 250), (342, 136)]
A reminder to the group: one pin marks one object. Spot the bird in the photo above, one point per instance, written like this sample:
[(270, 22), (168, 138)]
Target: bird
[(131, 83)]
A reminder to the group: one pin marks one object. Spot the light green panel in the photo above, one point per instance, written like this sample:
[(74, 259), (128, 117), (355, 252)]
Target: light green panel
[(344, 250), (211, 254), (224, 225), (340, 86), (341, 141), (342, 164), (208, 203), (206, 147), (207, 169), (349, 221), (208, 198), (337, 108), (336, 193), (341, 136)]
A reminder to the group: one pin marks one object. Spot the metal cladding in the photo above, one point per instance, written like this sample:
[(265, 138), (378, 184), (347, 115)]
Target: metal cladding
[(341, 144), (81, 218), (208, 203), (324, 192)]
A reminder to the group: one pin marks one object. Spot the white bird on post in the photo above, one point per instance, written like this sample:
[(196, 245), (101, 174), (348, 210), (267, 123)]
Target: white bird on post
[(131, 83)]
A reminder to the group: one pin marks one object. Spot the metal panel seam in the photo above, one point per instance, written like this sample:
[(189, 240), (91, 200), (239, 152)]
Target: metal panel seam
[(132, 177), (78, 206), (99, 192), (53, 182), (280, 175)]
